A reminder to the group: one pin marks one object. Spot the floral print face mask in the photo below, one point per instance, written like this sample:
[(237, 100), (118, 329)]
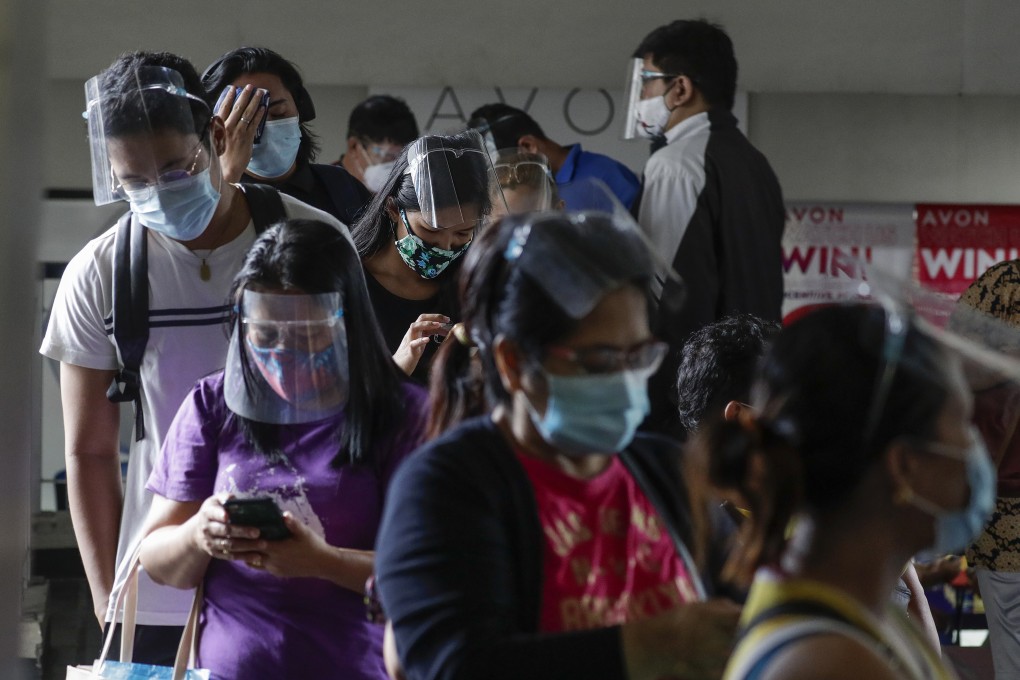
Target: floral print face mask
[(427, 260)]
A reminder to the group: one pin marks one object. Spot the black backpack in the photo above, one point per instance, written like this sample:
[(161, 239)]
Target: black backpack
[(131, 293)]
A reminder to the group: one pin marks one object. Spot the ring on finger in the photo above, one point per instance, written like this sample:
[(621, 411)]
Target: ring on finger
[(244, 120)]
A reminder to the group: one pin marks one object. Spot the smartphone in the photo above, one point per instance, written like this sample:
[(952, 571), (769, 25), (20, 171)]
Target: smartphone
[(262, 513), (438, 338), (263, 108)]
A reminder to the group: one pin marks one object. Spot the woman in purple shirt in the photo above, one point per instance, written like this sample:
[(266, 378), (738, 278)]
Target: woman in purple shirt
[(312, 413)]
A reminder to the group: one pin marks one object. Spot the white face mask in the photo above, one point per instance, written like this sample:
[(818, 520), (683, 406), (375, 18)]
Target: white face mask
[(652, 116), (376, 176)]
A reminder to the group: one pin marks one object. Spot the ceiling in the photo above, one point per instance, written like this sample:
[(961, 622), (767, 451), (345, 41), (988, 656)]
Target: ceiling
[(884, 46)]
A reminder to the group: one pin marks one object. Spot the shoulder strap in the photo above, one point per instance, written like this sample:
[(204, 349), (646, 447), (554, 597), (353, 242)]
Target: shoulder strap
[(130, 314), (647, 460), (265, 205), (805, 608), (346, 197), (815, 618)]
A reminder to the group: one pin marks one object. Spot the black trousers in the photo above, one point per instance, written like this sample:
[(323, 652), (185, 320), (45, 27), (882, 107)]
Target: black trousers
[(154, 645)]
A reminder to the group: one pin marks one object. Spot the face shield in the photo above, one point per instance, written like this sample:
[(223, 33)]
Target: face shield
[(142, 133), (485, 128), (288, 362), (977, 345), (646, 116), (594, 253), (974, 351), (525, 180), (455, 183)]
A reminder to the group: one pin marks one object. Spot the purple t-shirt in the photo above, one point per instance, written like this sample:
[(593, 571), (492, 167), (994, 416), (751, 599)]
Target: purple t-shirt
[(254, 624)]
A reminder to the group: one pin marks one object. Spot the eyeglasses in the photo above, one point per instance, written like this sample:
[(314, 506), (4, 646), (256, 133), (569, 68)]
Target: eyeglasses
[(382, 153), (528, 173), (645, 356), (647, 75), (142, 191), (267, 334)]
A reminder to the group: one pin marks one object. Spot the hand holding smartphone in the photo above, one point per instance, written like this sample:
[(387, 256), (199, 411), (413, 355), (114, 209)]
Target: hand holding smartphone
[(261, 513)]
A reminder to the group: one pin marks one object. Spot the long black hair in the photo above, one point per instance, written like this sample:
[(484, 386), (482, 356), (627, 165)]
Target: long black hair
[(236, 63), (374, 230), (314, 257)]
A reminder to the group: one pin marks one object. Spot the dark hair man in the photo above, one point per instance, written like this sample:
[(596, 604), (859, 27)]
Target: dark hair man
[(710, 203), (505, 127), (717, 365), (378, 130)]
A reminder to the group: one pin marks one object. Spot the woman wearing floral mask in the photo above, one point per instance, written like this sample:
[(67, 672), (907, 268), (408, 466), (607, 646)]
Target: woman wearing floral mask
[(310, 412), (412, 236), (263, 103), (538, 535)]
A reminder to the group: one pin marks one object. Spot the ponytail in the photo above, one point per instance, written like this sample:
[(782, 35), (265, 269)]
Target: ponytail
[(456, 386), (750, 459)]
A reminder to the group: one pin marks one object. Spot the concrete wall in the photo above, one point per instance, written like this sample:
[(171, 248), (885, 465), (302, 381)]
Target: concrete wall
[(21, 39)]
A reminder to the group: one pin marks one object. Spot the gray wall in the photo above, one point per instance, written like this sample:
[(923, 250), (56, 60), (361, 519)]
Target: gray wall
[(868, 101), (21, 38)]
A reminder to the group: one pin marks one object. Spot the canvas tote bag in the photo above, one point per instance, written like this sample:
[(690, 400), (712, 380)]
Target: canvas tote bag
[(184, 664)]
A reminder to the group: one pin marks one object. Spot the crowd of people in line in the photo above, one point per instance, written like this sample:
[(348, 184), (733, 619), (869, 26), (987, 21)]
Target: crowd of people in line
[(483, 405)]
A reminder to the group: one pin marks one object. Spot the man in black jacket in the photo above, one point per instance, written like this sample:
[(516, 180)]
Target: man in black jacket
[(710, 203)]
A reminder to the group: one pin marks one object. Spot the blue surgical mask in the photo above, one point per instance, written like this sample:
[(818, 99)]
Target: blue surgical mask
[(276, 152), (596, 413), (956, 529), (182, 209)]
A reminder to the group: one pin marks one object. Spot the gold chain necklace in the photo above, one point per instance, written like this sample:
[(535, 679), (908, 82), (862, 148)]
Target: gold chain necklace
[(204, 270)]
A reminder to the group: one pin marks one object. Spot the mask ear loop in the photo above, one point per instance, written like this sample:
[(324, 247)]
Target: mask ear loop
[(676, 79)]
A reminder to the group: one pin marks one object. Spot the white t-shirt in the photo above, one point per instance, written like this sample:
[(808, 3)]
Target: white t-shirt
[(187, 341)]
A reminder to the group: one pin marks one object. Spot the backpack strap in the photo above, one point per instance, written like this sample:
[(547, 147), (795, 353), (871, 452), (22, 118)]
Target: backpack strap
[(130, 314), (131, 294), (349, 198), (264, 204)]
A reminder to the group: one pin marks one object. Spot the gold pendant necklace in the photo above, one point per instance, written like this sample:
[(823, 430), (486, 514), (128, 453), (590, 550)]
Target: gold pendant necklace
[(204, 272)]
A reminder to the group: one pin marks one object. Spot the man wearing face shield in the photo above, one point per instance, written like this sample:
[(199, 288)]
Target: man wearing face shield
[(526, 181), (155, 145), (377, 130), (266, 109), (503, 127), (710, 202)]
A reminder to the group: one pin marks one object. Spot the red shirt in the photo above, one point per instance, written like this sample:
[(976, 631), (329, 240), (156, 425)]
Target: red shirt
[(608, 557)]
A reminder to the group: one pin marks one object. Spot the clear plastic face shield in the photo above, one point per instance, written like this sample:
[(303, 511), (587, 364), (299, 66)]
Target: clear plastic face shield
[(484, 127), (647, 112), (525, 180), (142, 134), (978, 342), (456, 186), (287, 361), (968, 348), (576, 266)]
